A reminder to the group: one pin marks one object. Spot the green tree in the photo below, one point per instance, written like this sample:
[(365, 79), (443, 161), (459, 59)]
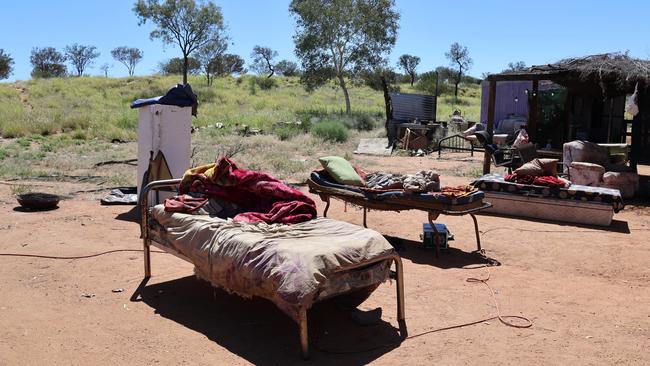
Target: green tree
[(287, 68), (6, 64), (263, 60), (208, 56), (458, 57), (189, 24), (409, 63), (336, 39), (515, 66), (47, 62), (382, 79), (178, 66), (228, 64), (128, 57), (80, 56)]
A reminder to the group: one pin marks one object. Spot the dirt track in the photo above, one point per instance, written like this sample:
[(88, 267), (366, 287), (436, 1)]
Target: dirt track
[(586, 290)]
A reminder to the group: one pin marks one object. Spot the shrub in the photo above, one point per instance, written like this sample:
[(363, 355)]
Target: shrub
[(266, 83), (365, 123), (287, 132), (333, 131)]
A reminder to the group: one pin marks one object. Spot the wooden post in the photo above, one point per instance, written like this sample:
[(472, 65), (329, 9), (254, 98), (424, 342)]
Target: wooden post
[(492, 96), (638, 143), (533, 110)]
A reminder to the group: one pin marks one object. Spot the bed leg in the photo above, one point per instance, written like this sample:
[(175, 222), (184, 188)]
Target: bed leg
[(327, 206), (400, 288), (304, 335), (435, 233), (365, 211), (147, 258), (478, 235)]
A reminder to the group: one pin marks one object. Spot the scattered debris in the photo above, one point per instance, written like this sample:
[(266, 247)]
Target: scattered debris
[(246, 130), (117, 290), (88, 296), (109, 162), (418, 152)]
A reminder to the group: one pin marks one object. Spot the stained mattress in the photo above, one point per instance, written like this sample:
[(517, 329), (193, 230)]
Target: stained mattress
[(293, 266), (497, 183)]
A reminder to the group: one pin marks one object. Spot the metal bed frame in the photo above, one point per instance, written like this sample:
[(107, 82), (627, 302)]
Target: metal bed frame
[(302, 324), (432, 212)]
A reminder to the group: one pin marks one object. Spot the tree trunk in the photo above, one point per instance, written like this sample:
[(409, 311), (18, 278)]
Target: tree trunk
[(412, 78), (345, 93), (185, 66), (460, 75), (384, 87)]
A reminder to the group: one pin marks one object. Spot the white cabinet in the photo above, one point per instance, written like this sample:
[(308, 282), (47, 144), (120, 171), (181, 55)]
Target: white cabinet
[(164, 128)]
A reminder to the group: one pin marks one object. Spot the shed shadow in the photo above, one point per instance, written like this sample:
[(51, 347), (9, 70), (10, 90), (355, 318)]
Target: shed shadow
[(617, 226)]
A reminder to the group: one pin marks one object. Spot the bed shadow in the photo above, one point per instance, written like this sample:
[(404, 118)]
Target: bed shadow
[(450, 258), (132, 215), (260, 333)]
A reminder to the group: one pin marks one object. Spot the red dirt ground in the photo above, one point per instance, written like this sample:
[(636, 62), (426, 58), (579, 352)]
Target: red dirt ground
[(586, 290)]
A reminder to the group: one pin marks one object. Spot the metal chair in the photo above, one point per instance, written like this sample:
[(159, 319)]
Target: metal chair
[(507, 157)]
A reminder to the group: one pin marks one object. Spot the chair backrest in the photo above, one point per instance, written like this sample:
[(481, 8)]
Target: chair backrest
[(407, 107), (527, 152)]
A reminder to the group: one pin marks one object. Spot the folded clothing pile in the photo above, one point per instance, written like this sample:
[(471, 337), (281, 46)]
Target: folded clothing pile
[(423, 181), (345, 173)]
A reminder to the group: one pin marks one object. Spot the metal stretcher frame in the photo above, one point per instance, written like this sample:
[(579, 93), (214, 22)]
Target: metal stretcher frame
[(325, 193), (302, 324)]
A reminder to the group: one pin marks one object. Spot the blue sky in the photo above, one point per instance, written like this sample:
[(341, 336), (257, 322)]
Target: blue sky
[(496, 32)]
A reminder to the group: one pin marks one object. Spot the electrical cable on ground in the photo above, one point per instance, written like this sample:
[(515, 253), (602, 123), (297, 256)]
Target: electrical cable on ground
[(507, 320), (554, 231), (75, 257)]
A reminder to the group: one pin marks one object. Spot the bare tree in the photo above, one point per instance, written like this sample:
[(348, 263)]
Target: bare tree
[(409, 63), (186, 23), (263, 60), (128, 57), (105, 68), (458, 57), (80, 56)]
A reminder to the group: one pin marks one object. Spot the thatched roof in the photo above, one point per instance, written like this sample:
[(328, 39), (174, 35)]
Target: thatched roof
[(612, 73)]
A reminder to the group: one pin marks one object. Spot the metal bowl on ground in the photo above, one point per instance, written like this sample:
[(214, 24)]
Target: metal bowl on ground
[(38, 201)]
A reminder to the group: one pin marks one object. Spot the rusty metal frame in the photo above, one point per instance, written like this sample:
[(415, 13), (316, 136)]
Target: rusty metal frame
[(143, 203)]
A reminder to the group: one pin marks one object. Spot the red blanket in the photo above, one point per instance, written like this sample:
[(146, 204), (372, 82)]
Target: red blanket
[(546, 181), (262, 197)]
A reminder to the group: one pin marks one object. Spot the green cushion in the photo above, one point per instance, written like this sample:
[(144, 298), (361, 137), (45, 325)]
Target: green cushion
[(341, 170)]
